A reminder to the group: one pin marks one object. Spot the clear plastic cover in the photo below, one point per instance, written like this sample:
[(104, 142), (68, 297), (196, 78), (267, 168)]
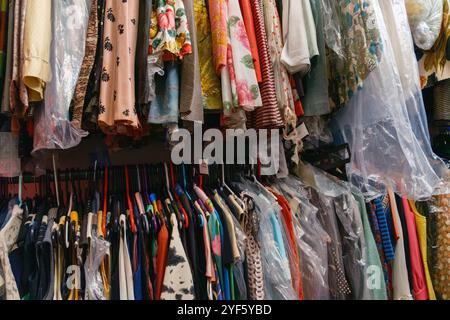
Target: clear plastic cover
[(425, 19), (98, 250), (277, 275), (385, 122), (332, 28), (238, 271), (312, 240), (53, 129)]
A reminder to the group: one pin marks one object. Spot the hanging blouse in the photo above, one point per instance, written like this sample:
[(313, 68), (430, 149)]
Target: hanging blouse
[(36, 47), (418, 274), (178, 282), (210, 82), (362, 49), (421, 225), (244, 85), (18, 90), (269, 115), (251, 33), (7, 52), (8, 239), (400, 280), (173, 34), (316, 101), (117, 106), (53, 128), (218, 16), (86, 68), (275, 41), (295, 55), (191, 105), (125, 271)]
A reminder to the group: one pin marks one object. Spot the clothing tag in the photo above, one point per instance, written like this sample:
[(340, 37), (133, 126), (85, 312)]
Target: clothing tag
[(302, 131), (204, 168)]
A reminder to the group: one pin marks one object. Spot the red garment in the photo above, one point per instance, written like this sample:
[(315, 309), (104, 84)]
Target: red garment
[(420, 291), (268, 116), (161, 258), (294, 257), (250, 27)]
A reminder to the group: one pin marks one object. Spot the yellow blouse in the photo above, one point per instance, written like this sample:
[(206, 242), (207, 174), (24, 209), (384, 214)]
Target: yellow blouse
[(421, 226), (211, 87)]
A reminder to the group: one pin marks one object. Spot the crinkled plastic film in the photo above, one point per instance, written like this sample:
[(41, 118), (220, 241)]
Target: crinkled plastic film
[(332, 29), (385, 122), (239, 273), (277, 275), (99, 249), (425, 19), (53, 129), (312, 241)]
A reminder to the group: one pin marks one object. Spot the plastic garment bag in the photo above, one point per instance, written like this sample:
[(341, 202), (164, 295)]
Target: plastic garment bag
[(98, 250), (53, 129), (312, 240), (277, 275), (238, 270), (385, 122), (425, 18)]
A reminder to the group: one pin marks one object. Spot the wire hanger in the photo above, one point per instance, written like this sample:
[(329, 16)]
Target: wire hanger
[(241, 203), (130, 205), (166, 170), (20, 189), (55, 175)]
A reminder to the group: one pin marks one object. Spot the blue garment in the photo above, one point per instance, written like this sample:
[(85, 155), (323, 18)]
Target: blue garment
[(384, 229), (165, 107), (226, 271)]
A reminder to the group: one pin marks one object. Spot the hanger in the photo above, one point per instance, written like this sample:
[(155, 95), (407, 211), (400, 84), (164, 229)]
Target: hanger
[(238, 199), (128, 198), (55, 175), (167, 181), (20, 189)]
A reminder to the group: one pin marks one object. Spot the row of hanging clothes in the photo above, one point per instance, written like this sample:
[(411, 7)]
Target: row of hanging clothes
[(135, 69), (166, 232)]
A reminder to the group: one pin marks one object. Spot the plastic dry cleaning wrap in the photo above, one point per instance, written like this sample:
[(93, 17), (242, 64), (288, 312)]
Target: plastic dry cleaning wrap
[(274, 254), (385, 122), (340, 216), (53, 129), (425, 19), (312, 241), (98, 251)]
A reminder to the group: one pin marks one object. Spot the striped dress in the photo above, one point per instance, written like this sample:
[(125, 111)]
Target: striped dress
[(269, 115)]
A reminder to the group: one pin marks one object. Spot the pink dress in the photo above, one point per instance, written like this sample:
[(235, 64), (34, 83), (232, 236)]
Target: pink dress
[(117, 107), (420, 290)]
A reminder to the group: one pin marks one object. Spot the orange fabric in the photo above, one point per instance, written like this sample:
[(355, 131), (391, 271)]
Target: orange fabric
[(247, 14), (161, 259), (130, 205), (294, 257)]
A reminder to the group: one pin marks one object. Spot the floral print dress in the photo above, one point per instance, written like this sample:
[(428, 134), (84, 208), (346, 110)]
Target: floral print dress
[(239, 75), (362, 50), (117, 106), (172, 33)]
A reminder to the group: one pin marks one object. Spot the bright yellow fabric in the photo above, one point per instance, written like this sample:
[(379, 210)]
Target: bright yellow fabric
[(36, 47), (211, 87), (421, 226)]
